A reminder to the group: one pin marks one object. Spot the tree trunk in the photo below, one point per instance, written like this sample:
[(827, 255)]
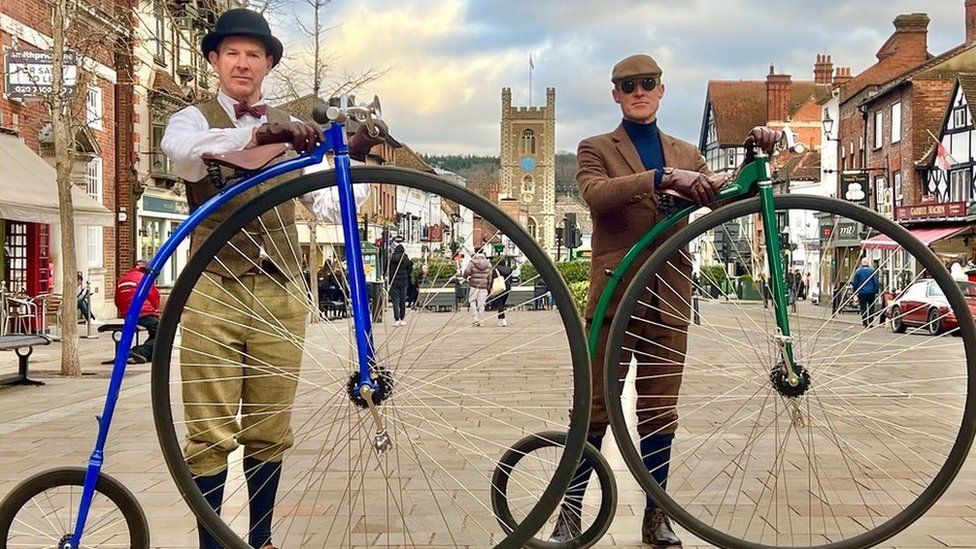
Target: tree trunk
[(61, 122)]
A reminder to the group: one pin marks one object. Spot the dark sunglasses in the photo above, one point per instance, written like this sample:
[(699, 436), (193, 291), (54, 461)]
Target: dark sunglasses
[(629, 86)]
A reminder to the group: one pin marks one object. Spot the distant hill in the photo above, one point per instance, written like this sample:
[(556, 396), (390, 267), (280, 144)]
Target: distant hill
[(482, 171)]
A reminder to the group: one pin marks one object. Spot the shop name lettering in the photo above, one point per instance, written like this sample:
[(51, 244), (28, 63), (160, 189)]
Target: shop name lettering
[(948, 209)]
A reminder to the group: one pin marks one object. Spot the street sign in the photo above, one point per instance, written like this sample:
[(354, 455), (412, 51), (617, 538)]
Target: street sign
[(855, 187), (30, 74), (931, 211)]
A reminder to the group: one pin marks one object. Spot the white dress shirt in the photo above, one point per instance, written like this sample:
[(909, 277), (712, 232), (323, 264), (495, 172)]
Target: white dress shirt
[(188, 137)]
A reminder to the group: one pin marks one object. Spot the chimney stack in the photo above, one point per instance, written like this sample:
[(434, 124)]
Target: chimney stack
[(970, 21), (779, 92), (841, 76), (824, 68)]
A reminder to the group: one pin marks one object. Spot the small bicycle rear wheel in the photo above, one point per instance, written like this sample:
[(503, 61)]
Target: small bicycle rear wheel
[(589, 504), (42, 510)]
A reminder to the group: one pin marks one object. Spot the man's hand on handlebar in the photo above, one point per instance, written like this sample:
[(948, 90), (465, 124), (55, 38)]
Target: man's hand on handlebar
[(303, 137), (695, 185), (362, 142), (762, 138)]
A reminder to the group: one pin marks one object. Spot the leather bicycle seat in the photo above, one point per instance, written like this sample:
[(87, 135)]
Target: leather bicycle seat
[(249, 160)]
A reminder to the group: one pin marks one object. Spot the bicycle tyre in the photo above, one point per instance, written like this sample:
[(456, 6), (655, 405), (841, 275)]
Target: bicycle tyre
[(608, 490), (649, 271), (568, 317), (108, 487)]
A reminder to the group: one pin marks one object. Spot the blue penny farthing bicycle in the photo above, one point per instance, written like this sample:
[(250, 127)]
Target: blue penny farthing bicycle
[(395, 428)]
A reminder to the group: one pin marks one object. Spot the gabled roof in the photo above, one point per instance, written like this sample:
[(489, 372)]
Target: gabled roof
[(967, 83), (800, 167), (740, 105), (945, 65)]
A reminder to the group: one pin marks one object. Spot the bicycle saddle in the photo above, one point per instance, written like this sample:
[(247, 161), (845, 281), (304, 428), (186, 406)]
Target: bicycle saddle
[(248, 160)]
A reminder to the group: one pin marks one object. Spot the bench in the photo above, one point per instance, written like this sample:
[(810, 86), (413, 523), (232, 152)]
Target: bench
[(437, 299), (115, 326), (16, 342)]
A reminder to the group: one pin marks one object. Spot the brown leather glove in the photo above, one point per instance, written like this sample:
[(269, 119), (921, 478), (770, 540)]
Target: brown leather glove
[(764, 138), (301, 136), (694, 185), (361, 142)]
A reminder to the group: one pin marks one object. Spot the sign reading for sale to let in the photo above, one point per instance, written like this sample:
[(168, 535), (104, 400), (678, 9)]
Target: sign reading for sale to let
[(30, 74)]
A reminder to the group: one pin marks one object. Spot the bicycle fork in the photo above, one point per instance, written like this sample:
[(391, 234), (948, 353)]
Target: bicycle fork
[(366, 387), (789, 377)]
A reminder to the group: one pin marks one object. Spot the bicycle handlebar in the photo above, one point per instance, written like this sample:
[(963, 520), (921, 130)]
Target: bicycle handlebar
[(363, 113)]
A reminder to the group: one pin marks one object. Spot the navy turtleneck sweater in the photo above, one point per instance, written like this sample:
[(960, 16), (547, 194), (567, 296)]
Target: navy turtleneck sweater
[(647, 141)]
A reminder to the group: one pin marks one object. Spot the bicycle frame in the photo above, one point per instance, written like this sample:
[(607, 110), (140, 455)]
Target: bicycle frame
[(335, 142), (756, 173)]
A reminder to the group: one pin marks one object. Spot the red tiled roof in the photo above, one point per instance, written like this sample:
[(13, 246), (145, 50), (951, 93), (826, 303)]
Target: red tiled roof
[(163, 82), (800, 167), (738, 106), (946, 59)]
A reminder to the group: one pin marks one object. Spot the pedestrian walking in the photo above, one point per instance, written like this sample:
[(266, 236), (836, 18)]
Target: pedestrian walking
[(478, 273)]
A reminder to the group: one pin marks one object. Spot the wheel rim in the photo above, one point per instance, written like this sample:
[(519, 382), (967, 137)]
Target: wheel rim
[(704, 505), (423, 498)]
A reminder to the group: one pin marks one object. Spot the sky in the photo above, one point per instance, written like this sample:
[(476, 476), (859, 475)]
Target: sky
[(446, 61)]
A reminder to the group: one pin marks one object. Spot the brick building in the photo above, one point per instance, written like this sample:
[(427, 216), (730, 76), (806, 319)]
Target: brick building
[(30, 229), (732, 109), (889, 114)]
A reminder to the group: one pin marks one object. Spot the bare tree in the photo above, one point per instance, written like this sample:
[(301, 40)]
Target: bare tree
[(85, 34), (311, 68)]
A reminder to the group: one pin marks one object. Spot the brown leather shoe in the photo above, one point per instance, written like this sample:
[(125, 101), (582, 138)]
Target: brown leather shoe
[(656, 530)]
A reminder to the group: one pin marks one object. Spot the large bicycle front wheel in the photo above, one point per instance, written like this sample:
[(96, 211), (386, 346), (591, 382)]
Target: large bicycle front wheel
[(860, 445), (253, 386)]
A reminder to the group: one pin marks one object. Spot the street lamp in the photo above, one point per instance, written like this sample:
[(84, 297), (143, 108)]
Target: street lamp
[(828, 126)]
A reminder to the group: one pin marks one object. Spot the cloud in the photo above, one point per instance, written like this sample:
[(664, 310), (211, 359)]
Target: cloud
[(449, 59)]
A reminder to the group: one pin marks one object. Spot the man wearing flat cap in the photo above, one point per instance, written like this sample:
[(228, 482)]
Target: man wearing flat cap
[(619, 175), (244, 363)]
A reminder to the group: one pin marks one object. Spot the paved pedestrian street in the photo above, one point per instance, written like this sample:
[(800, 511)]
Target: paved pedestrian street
[(54, 426)]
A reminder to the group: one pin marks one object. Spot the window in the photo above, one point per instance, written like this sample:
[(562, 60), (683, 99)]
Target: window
[(93, 108), (959, 118), (896, 122), (960, 185), (159, 12), (896, 181), (528, 186), (528, 142), (881, 195), (160, 162), (878, 126), (95, 247), (730, 162), (533, 228), (93, 179)]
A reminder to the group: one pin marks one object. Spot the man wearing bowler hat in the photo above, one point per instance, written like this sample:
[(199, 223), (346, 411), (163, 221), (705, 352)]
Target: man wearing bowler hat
[(229, 368), (620, 175)]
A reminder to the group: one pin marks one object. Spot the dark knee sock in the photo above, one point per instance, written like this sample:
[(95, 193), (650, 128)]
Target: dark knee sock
[(656, 453), (212, 488), (262, 489), (573, 501)]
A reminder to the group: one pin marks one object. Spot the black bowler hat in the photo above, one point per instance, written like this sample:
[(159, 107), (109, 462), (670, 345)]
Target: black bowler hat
[(242, 22)]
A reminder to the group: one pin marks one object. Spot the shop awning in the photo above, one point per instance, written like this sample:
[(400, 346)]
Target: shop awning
[(29, 189), (926, 235)]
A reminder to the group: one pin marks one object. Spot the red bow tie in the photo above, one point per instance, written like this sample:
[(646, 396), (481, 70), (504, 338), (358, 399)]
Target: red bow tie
[(257, 111)]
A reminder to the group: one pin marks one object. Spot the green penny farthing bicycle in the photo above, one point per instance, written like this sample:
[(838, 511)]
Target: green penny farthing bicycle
[(797, 425)]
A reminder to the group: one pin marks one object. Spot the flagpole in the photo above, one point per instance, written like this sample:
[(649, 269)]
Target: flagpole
[(530, 79)]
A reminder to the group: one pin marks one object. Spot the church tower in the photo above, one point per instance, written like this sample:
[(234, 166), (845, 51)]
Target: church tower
[(528, 163)]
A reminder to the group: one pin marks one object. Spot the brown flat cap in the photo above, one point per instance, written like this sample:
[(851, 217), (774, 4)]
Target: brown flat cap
[(635, 65)]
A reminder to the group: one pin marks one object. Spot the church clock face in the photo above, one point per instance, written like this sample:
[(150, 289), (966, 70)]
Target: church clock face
[(528, 163), (526, 197)]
